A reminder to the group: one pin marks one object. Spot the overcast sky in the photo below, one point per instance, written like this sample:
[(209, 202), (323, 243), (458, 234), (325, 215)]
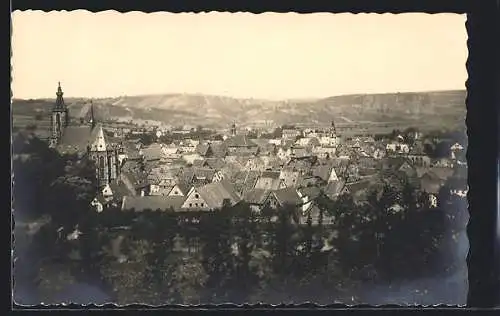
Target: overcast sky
[(272, 55)]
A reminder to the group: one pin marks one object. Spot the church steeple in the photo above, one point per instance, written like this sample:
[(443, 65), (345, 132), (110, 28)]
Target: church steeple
[(60, 105), (60, 115), (92, 118), (333, 129)]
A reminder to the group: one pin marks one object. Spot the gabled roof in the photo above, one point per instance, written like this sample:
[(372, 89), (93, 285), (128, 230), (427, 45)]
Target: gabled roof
[(442, 173), (240, 141), (141, 203), (203, 149), (183, 186), (214, 194), (323, 172), (153, 152), (287, 196), (256, 196), (203, 173)]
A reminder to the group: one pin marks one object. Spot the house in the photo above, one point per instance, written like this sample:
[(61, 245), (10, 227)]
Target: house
[(204, 150), (214, 163), (419, 158), (256, 163), (290, 177), (300, 152), (191, 157), (286, 197), (153, 203), (99, 203), (290, 134), (269, 180), (240, 145), (324, 151), (284, 153), (212, 196), (152, 152), (359, 190), (181, 188), (203, 175), (325, 172), (244, 181), (265, 147), (257, 199), (135, 181)]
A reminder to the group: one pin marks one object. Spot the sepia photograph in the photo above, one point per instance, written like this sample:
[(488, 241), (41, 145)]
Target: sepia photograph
[(213, 158)]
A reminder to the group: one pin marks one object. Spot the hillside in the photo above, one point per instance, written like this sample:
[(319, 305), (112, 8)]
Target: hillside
[(434, 109)]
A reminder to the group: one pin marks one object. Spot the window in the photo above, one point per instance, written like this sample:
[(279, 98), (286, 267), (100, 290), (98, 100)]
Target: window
[(176, 192), (196, 196), (190, 204), (202, 205), (196, 204)]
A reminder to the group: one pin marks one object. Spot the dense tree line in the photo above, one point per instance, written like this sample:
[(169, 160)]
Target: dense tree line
[(229, 255)]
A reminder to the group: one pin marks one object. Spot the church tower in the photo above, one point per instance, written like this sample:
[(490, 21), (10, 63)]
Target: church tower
[(102, 153), (233, 129), (333, 130), (60, 116)]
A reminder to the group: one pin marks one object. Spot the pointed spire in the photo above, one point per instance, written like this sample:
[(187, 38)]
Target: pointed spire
[(92, 118)]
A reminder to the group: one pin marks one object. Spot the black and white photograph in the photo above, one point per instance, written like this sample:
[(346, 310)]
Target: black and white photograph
[(212, 158)]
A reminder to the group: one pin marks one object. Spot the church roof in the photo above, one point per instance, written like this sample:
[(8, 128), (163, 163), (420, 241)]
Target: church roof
[(240, 141), (76, 138)]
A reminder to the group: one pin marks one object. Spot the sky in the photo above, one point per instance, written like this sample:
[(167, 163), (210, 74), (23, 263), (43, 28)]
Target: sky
[(270, 56)]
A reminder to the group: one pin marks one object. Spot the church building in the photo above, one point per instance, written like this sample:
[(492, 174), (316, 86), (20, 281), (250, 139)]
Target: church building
[(84, 138)]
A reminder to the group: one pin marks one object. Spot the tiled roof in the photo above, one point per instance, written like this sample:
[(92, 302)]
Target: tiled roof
[(214, 194), (141, 203), (256, 196), (152, 152)]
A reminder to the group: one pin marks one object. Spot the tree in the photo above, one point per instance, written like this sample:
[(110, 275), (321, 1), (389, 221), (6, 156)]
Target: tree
[(218, 259)]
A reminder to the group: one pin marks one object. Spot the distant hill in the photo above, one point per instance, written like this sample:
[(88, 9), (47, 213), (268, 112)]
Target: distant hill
[(435, 109)]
